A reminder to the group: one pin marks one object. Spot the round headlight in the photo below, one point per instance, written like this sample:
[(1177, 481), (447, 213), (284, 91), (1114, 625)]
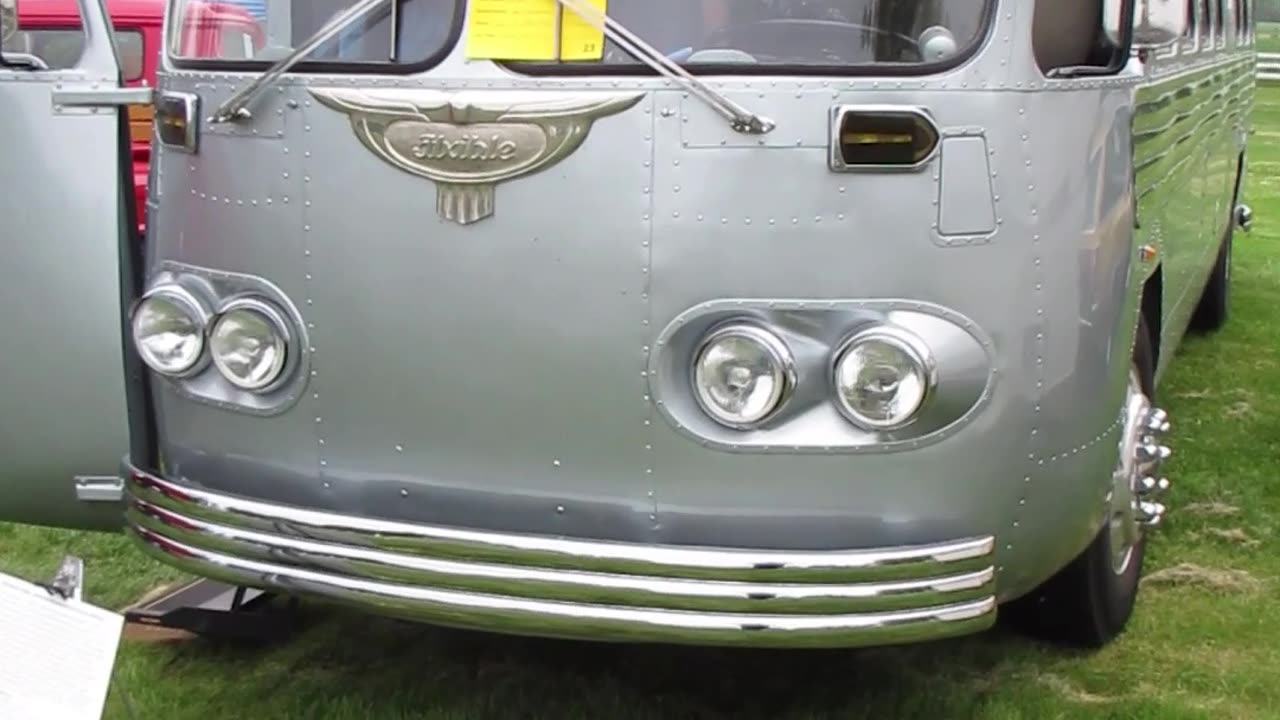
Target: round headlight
[(882, 378), (742, 375), (249, 344), (168, 330)]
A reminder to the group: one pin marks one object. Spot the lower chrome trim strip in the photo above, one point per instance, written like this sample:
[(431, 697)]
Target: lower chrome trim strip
[(566, 585), (587, 622), (592, 590), (862, 565)]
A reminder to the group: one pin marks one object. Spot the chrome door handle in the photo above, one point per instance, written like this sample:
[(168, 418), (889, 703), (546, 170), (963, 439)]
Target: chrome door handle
[(103, 97)]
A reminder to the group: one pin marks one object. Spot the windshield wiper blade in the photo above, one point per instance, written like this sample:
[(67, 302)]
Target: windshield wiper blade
[(740, 119), (236, 107)]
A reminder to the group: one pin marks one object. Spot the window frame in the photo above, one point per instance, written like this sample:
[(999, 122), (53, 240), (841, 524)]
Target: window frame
[(322, 67)]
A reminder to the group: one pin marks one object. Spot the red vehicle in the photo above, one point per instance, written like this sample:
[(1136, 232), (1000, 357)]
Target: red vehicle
[(50, 30)]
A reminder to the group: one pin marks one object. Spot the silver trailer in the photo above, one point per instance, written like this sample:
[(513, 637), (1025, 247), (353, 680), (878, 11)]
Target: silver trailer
[(764, 323)]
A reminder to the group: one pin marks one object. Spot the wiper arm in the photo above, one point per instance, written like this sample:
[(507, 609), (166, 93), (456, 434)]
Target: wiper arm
[(236, 107), (740, 119)]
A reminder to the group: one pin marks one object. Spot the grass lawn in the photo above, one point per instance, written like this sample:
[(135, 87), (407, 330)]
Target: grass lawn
[(1204, 642), (1269, 37)]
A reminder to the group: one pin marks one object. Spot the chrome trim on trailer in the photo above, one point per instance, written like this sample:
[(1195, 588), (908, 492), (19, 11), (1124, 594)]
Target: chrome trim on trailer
[(571, 588)]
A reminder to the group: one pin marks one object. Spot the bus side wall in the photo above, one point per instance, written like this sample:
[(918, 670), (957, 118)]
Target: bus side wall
[(1190, 127)]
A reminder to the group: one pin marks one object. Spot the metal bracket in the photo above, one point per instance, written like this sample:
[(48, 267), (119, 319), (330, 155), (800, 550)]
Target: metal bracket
[(218, 611), (93, 488), (68, 581)]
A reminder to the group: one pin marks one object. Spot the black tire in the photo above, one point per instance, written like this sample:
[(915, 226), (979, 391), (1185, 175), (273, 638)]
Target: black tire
[(1215, 302), (1087, 604)]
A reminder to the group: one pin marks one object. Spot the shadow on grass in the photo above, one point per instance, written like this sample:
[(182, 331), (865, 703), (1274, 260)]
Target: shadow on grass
[(380, 667)]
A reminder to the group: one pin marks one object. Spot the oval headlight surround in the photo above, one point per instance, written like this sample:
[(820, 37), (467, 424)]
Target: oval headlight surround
[(168, 328), (250, 343), (882, 377), (743, 375)]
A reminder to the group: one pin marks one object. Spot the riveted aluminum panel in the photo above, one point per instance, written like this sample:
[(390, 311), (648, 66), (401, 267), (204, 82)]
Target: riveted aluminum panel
[(965, 205)]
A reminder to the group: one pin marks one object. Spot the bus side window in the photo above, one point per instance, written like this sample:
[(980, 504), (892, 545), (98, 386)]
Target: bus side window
[(1220, 22), (1069, 35), (1206, 26), (1188, 44)]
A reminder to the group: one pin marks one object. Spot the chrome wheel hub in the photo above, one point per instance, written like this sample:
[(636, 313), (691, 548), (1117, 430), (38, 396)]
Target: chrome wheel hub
[(1136, 483)]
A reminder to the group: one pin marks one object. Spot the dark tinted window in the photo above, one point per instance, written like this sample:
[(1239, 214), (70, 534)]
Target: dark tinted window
[(60, 48)]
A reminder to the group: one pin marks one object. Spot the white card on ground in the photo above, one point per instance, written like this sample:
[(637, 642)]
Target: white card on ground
[(56, 656)]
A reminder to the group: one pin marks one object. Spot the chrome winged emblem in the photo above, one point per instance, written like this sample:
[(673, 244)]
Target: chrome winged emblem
[(468, 142)]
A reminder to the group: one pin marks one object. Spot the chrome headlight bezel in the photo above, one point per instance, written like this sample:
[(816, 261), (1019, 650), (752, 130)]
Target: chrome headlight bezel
[(282, 337), (909, 345), (188, 304), (782, 369)]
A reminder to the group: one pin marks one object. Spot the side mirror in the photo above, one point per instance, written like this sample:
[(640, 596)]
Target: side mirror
[(1156, 23)]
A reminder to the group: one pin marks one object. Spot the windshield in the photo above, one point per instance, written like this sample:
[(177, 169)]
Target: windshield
[(779, 33), (800, 32)]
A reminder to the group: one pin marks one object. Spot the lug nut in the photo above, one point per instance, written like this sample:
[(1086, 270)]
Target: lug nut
[(1158, 424), (1150, 452), (1151, 486), (1150, 513)]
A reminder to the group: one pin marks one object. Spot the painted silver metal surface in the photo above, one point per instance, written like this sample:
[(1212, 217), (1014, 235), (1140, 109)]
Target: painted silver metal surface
[(837, 598), (966, 204), (62, 386), (469, 142)]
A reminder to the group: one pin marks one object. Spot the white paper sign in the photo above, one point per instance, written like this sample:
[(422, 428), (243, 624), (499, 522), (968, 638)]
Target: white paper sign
[(56, 655)]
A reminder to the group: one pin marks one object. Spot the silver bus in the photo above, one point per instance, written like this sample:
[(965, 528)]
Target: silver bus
[(730, 322)]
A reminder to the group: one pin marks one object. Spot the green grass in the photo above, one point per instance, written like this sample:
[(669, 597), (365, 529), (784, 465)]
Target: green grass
[(1202, 644), (1269, 37)]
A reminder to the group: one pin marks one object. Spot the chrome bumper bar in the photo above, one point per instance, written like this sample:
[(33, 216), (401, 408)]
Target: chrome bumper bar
[(549, 586)]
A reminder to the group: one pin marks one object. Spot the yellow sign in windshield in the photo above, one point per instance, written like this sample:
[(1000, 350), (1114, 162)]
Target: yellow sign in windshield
[(531, 30)]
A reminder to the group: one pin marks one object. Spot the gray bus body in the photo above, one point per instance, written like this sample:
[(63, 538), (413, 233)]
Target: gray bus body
[(494, 283)]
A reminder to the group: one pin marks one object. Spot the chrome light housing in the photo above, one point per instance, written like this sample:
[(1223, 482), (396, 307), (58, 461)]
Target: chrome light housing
[(250, 344), (168, 327), (882, 376), (743, 375)]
